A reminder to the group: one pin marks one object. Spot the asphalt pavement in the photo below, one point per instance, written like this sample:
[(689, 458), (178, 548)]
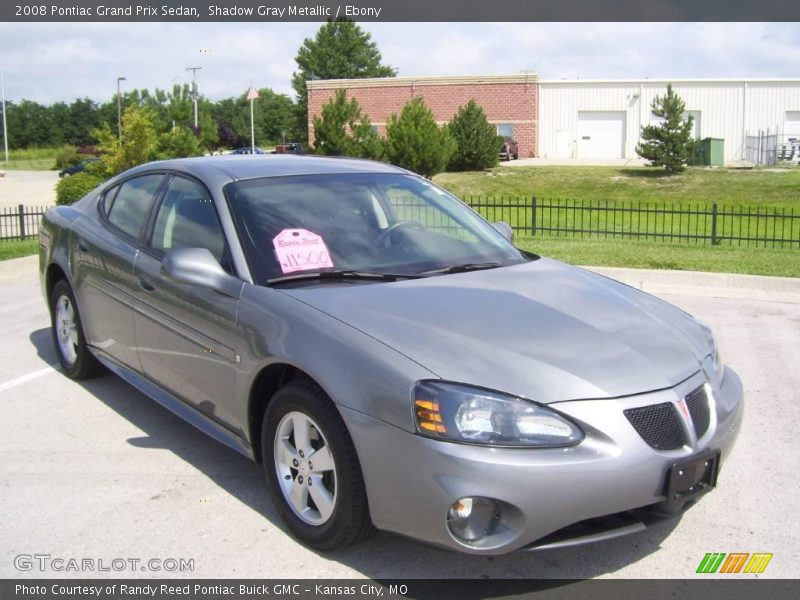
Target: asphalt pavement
[(95, 470), (31, 188)]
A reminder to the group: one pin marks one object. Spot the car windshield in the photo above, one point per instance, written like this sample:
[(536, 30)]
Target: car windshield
[(364, 222)]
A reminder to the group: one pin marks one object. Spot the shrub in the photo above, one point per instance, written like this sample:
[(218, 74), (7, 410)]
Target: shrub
[(73, 188), (66, 157), (477, 145), (416, 143), (139, 143)]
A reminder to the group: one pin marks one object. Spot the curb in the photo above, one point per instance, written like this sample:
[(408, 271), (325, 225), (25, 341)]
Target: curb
[(713, 285), (688, 283)]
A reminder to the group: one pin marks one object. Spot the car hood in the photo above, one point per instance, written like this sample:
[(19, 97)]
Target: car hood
[(542, 330)]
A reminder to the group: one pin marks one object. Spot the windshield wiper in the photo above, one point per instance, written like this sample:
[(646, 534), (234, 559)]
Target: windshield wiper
[(339, 275), (461, 268)]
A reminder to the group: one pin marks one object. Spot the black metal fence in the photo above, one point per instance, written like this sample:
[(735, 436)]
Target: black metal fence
[(17, 223), (700, 223)]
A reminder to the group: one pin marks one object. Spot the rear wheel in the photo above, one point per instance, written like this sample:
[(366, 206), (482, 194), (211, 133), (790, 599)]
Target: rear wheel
[(312, 469), (76, 360)]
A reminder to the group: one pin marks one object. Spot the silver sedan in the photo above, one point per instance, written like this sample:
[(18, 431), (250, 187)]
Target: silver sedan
[(389, 356)]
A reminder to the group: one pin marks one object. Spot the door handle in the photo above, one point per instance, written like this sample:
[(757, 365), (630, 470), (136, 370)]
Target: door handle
[(146, 284), (82, 245)]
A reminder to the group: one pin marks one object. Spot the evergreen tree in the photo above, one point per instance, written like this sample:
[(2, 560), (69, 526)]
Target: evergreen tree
[(341, 130), (340, 50), (416, 143), (477, 146), (669, 144)]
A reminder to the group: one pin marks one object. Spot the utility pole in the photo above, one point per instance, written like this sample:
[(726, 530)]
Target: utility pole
[(3, 95), (194, 71), (119, 109)]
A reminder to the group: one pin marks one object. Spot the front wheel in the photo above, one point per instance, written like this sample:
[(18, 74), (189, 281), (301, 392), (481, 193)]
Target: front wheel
[(312, 469), (76, 360)]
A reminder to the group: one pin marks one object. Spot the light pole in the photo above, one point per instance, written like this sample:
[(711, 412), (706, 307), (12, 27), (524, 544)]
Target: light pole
[(194, 71), (3, 95), (119, 109)]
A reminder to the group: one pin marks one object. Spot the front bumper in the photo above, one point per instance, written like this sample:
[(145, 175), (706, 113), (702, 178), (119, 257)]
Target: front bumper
[(412, 480)]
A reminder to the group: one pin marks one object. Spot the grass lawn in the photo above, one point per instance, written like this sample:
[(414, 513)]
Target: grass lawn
[(32, 159), (17, 248), (28, 164), (612, 253), (773, 187), (675, 256)]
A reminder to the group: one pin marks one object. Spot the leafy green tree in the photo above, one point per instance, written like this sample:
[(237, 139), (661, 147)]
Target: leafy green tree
[(668, 144), (139, 143), (180, 142), (477, 146), (415, 142), (340, 50), (273, 115), (84, 117), (342, 130), (29, 125)]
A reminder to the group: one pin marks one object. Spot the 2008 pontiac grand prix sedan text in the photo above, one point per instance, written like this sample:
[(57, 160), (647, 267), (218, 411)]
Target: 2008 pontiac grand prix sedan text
[(387, 354)]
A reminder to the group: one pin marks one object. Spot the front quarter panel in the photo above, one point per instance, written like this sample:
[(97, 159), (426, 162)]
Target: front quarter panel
[(356, 370)]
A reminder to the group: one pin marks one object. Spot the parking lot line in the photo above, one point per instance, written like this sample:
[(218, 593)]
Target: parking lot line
[(25, 378)]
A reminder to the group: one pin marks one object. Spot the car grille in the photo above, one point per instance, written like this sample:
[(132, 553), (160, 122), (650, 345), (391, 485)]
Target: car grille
[(697, 403), (659, 425)]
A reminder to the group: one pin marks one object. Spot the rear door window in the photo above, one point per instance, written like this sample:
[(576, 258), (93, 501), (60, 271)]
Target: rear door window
[(131, 205)]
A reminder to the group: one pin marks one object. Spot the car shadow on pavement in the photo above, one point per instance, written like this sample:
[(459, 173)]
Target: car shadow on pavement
[(384, 556)]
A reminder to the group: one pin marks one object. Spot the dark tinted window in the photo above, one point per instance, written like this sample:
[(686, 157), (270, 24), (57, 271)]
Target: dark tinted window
[(130, 206), (378, 222), (108, 199), (187, 219)]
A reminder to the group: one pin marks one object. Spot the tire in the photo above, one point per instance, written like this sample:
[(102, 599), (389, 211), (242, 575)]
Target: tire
[(335, 513), (77, 362)]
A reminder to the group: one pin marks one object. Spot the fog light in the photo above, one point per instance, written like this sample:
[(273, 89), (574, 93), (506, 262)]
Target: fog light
[(473, 518)]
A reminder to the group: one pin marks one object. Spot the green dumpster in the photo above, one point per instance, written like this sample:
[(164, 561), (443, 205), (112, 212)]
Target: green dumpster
[(712, 152)]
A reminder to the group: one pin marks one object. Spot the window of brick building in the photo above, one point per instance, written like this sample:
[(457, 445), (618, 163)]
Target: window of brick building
[(505, 129)]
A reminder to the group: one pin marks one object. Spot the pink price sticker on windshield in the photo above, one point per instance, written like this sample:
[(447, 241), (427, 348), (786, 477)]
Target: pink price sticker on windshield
[(301, 250)]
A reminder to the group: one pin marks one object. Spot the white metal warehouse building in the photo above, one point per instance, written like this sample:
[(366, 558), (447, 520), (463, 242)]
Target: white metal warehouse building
[(601, 119)]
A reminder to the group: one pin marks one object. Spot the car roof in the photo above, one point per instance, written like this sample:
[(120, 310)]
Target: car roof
[(232, 167)]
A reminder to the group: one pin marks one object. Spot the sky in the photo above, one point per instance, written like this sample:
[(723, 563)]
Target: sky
[(50, 62)]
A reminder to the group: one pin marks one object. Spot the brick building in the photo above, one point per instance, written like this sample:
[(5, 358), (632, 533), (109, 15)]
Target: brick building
[(511, 102)]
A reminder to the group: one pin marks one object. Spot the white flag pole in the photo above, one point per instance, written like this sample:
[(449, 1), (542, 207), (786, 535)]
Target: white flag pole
[(252, 128), (3, 95)]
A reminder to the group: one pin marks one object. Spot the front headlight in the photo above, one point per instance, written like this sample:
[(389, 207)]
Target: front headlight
[(715, 356), (466, 414)]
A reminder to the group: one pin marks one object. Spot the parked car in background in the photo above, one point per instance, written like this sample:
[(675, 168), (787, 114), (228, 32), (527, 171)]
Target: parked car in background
[(390, 357), (77, 168), (290, 148), (509, 150), (248, 150)]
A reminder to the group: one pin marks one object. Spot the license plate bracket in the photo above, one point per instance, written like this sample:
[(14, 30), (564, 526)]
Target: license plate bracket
[(691, 478)]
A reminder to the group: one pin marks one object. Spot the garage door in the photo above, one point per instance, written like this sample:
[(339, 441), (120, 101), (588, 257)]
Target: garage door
[(791, 127), (601, 134)]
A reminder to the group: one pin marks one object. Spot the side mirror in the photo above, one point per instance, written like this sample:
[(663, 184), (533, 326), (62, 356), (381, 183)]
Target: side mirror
[(504, 229), (197, 266)]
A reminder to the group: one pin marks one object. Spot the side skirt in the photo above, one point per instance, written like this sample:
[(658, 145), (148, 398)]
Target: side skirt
[(178, 407)]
